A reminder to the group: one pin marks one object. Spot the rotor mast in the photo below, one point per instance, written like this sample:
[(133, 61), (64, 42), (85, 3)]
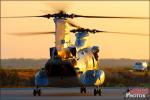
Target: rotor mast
[(62, 36)]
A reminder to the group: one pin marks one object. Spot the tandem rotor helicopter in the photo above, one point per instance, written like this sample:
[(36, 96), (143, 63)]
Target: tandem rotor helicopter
[(72, 65)]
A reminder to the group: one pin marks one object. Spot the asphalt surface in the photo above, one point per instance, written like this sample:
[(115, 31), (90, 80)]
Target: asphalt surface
[(61, 94)]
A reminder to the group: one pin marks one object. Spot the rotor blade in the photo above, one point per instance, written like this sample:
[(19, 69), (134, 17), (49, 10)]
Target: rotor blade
[(19, 17), (45, 16), (125, 33), (73, 24), (31, 33), (111, 17)]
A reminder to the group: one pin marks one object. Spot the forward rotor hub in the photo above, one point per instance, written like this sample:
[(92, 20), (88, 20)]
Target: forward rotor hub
[(62, 14)]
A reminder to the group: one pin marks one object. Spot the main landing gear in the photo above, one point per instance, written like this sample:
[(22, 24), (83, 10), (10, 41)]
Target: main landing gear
[(98, 91), (82, 89), (37, 91)]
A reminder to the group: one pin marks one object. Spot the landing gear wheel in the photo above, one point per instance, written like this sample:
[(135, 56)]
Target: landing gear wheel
[(37, 91), (83, 90), (98, 91), (95, 92), (34, 92)]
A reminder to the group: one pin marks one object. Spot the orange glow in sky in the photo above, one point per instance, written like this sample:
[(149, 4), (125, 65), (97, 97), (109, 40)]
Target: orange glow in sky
[(111, 45)]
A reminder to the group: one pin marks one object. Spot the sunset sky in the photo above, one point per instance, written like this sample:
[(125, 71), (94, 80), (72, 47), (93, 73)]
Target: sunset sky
[(111, 45)]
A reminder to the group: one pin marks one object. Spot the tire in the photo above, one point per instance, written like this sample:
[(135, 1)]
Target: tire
[(99, 92), (81, 90), (95, 92), (34, 92), (84, 90), (39, 92)]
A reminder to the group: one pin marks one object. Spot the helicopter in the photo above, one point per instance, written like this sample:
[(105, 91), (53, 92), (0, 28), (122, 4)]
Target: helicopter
[(72, 65)]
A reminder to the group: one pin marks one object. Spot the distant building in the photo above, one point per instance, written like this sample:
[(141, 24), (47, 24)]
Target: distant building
[(141, 66)]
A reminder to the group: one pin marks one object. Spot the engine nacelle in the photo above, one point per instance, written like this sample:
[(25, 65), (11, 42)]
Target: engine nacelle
[(93, 77)]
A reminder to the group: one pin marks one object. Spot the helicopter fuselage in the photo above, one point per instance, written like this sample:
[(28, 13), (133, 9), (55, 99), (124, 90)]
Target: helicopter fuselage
[(80, 71), (70, 65)]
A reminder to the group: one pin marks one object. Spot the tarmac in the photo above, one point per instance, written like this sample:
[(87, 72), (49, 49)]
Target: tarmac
[(52, 93)]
